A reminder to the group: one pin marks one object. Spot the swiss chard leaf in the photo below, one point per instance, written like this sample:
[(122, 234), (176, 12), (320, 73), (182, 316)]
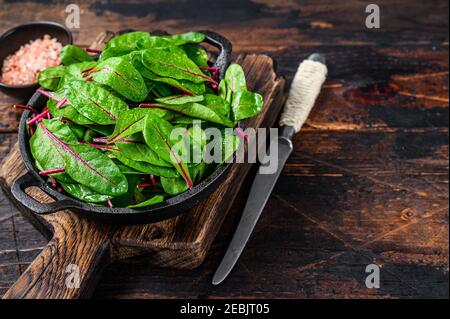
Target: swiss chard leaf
[(157, 134), (127, 198), (50, 78), (173, 65), (235, 81), (174, 186), (217, 104), (66, 111), (144, 167), (182, 85), (180, 99), (47, 151), (71, 54), (170, 40), (84, 193), (157, 199), (94, 102), (90, 167), (195, 110), (132, 122), (114, 52), (85, 164), (128, 41), (135, 147), (196, 54), (246, 104), (120, 75)]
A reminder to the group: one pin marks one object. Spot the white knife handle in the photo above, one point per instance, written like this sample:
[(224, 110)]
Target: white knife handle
[(308, 81)]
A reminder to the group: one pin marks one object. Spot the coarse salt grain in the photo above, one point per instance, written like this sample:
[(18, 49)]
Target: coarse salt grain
[(23, 67)]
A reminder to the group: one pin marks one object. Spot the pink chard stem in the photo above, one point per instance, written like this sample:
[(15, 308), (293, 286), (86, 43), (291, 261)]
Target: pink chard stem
[(61, 103), (50, 95), (239, 131), (38, 117), (24, 107), (153, 180), (52, 171), (31, 130), (102, 147), (93, 51), (144, 185), (101, 140), (52, 182)]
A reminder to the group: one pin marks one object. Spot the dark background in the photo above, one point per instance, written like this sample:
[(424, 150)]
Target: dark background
[(367, 183)]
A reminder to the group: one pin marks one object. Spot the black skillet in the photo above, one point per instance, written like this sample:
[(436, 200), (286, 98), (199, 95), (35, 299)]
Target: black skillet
[(168, 209)]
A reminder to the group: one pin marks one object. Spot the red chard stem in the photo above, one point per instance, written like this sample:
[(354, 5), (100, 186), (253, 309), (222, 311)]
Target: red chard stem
[(52, 171), (24, 107), (38, 117), (93, 51), (242, 133), (153, 180), (61, 103)]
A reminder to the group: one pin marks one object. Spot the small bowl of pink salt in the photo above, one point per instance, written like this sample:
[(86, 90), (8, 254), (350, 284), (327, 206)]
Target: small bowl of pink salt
[(25, 51)]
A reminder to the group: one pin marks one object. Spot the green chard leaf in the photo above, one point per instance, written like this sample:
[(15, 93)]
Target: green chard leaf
[(170, 40), (195, 110), (157, 199), (143, 167), (157, 134), (94, 102), (184, 86), (66, 111), (120, 75), (132, 122), (47, 151), (86, 164), (71, 54), (127, 41), (173, 65), (244, 104), (51, 78), (84, 193), (180, 99), (127, 198), (197, 54), (174, 186), (134, 147), (114, 52)]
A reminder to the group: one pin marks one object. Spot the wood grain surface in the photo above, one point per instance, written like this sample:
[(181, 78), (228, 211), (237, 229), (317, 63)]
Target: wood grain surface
[(367, 183)]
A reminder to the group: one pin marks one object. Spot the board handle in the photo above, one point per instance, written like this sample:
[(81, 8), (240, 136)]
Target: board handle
[(70, 265), (18, 190)]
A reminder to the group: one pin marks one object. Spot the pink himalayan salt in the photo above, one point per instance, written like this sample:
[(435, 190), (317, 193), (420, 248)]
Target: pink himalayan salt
[(23, 67)]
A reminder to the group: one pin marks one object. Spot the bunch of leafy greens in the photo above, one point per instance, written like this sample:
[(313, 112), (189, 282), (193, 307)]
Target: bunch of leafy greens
[(106, 138)]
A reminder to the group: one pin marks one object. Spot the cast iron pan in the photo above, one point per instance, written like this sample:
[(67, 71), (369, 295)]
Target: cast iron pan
[(168, 209)]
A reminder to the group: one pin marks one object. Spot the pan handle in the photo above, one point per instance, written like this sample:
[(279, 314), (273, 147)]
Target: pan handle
[(18, 190), (225, 47)]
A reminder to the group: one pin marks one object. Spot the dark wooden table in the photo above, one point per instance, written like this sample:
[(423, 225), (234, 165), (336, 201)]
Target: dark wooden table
[(368, 180)]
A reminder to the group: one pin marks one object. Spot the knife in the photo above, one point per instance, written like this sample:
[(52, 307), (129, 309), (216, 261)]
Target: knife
[(305, 88)]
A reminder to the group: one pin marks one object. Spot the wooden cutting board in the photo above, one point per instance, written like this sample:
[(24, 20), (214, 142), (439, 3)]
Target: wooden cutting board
[(81, 247)]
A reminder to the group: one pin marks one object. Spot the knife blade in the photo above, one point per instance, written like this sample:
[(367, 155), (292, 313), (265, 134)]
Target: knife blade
[(304, 91)]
